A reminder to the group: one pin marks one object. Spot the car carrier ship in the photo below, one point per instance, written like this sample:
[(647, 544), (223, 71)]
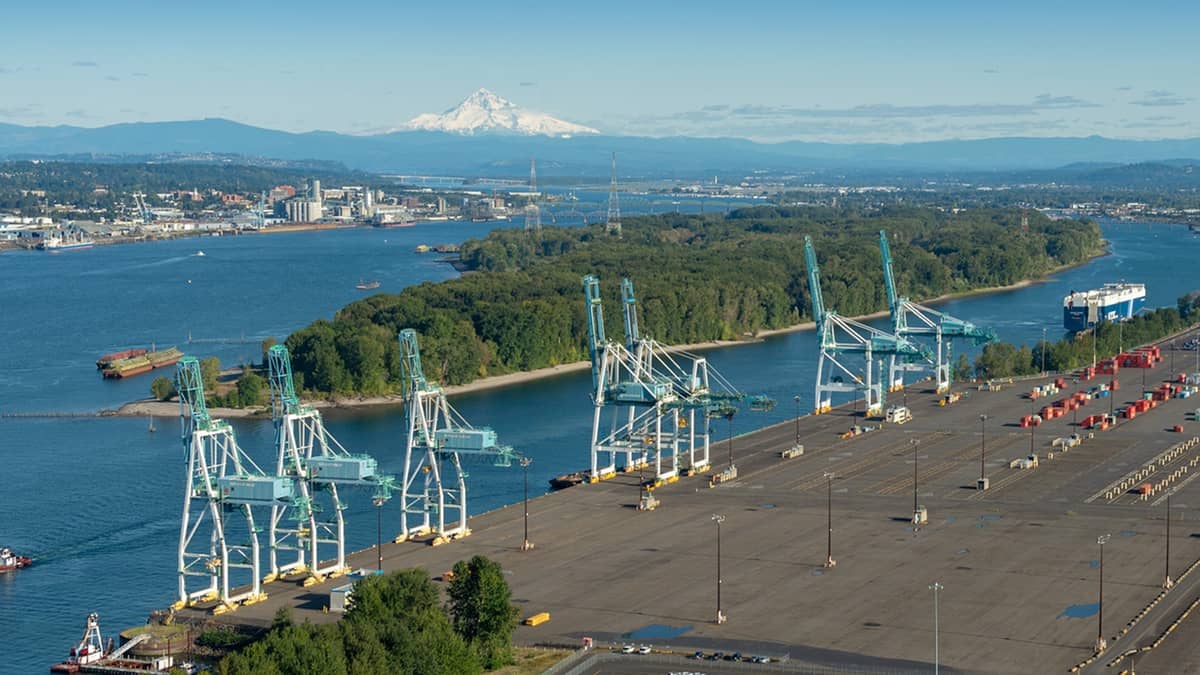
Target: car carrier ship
[(1113, 302)]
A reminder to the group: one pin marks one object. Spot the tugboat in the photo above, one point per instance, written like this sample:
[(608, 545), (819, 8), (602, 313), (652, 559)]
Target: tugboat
[(89, 650), (10, 561)]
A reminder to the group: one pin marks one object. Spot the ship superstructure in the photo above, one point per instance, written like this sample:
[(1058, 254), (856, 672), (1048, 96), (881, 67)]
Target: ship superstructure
[(1113, 302)]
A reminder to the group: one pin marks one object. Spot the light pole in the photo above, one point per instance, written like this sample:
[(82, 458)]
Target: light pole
[(797, 397), (718, 519), (829, 561), (935, 587), (378, 502), (983, 481), (525, 462), (729, 416), (1043, 350), (914, 442), (1167, 583), (1101, 645)]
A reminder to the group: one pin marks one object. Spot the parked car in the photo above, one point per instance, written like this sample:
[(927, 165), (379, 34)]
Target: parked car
[(644, 649), (698, 655), (627, 649)]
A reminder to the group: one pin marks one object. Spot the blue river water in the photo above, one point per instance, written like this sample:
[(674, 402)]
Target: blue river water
[(96, 501)]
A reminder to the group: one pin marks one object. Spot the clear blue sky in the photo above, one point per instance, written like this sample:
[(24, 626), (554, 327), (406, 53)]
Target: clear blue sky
[(836, 71)]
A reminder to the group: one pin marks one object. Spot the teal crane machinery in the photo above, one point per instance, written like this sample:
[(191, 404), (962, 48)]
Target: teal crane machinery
[(911, 319), (224, 487), (308, 454), (433, 497), (841, 335), (651, 397)]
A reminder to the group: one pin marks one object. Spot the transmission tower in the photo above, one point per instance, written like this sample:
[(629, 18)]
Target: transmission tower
[(223, 488), (613, 225), (310, 455), (533, 213), (439, 439)]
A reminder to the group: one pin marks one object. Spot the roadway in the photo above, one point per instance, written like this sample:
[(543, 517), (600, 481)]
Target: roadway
[(1017, 562)]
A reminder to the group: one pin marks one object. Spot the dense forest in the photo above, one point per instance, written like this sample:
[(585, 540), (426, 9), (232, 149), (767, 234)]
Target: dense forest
[(697, 277)]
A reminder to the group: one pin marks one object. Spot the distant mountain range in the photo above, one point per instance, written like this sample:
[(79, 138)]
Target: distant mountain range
[(586, 155)]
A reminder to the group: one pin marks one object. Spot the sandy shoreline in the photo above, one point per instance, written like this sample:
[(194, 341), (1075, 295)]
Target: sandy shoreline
[(149, 407)]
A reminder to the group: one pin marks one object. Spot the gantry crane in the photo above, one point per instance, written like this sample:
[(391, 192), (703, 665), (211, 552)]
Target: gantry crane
[(309, 454), (910, 319), (224, 486), (652, 397), (439, 438), (841, 335)]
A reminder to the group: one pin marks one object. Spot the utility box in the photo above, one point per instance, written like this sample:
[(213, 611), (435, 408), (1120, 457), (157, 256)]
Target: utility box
[(920, 516), (648, 502), (898, 414), (792, 452), (340, 597), (343, 468), (982, 484), (256, 490)]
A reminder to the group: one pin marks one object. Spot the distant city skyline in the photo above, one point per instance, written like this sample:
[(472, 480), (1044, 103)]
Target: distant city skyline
[(867, 71)]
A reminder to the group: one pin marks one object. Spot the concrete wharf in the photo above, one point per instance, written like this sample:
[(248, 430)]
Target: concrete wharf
[(1017, 562)]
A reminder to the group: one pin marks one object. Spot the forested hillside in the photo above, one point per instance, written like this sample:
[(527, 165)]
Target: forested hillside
[(697, 277)]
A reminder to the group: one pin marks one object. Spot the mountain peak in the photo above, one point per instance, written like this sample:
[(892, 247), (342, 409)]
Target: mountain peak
[(485, 112)]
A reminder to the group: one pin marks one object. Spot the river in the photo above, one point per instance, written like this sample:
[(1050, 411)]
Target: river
[(96, 501)]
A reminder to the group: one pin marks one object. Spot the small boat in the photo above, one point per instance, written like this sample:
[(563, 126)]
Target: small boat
[(10, 561), (90, 650), (568, 479), (199, 254), (366, 285)]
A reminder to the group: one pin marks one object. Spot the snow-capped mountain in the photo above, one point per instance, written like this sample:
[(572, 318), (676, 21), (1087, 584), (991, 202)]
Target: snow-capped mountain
[(484, 112)]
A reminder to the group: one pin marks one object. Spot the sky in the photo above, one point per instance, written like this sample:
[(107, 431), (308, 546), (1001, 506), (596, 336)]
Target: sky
[(849, 71)]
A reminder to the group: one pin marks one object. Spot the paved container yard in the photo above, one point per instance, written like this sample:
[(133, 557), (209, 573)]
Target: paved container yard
[(1018, 563)]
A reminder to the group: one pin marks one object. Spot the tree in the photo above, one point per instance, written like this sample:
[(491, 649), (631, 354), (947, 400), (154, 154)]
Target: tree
[(266, 347), (162, 388), (963, 370), (251, 390), (210, 370), (480, 602)]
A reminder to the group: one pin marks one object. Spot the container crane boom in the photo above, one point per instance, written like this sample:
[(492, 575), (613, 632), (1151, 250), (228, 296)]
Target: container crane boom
[(912, 319)]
